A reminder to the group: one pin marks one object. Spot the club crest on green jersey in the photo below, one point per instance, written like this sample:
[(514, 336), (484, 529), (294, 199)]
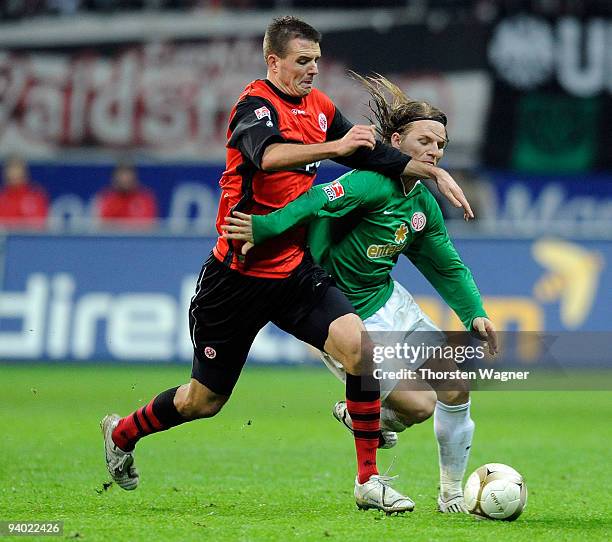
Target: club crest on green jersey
[(418, 221)]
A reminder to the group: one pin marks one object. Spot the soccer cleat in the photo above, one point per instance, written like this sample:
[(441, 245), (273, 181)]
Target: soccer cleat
[(454, 505), (378, 494), (120, 464), (387, 439)]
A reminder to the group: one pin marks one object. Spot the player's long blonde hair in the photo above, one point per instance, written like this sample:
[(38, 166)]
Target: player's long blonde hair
[(394, 111)]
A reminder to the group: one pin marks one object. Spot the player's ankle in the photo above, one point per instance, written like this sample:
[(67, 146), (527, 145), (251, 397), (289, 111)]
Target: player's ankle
[(451, 491), (363, 478), (121, 442)]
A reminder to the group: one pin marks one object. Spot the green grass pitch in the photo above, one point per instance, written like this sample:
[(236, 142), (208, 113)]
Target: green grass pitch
[(275, 465)]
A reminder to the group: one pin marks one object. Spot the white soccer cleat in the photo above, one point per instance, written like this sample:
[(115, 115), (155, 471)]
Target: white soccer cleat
[(120, 464), (388, 439), (378, 494), (454, 505)]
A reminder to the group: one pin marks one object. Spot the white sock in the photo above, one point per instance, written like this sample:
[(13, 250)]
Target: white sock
[(454, 430), (389, 420)]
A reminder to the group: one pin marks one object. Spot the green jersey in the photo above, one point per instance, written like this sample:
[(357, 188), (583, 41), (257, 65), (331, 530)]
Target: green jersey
[(380, 222)]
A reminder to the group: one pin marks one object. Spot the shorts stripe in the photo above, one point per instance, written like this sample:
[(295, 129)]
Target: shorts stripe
[(197, 291)]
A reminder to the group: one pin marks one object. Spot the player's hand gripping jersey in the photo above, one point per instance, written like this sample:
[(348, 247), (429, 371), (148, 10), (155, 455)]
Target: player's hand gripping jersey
[(264, 115), (380, 223)]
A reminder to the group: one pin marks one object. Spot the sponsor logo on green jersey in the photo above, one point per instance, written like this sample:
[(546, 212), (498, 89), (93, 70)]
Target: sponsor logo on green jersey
[(400, 234), (390, 249)]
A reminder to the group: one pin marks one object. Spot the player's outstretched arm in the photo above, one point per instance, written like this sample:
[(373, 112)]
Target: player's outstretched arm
[(255, 229), (447, 186), (391, 162), (434, 255), (283, 156), (332, 199)]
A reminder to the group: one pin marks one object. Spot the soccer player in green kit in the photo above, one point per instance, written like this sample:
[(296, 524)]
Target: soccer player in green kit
[(381, 219)]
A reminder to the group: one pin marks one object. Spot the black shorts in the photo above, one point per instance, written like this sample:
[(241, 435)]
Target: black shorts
[(230, 308)]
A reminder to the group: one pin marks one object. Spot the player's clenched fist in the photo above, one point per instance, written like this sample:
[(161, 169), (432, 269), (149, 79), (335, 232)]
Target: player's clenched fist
[(358, 136)]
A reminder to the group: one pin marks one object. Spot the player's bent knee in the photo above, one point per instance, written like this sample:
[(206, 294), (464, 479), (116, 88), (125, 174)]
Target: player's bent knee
[(345, 343), (353, 363), (209, 409), (419, 409), (425, 407), (199, 402), (193, 410)]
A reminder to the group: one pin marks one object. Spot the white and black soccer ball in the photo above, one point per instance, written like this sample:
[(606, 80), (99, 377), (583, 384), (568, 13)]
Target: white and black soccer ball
[(496, 491)]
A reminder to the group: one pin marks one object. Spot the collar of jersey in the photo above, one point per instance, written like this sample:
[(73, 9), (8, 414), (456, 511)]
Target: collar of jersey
[(291, 99), (411, 190)]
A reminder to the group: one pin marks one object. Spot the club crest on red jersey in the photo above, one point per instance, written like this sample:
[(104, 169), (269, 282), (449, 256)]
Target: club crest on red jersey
[(210, 352), (262, 112), (323, 122), (418, 221), (334, 191)]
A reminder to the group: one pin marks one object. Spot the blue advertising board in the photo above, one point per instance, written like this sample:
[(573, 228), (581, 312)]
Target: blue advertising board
[(188, 194), (126, 297)]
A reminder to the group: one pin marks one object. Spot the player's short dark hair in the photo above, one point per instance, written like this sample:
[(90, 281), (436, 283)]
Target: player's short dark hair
[(282, 30)]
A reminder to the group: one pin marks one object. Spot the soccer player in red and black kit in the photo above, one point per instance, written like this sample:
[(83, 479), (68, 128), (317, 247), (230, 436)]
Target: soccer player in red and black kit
[(279, 130)]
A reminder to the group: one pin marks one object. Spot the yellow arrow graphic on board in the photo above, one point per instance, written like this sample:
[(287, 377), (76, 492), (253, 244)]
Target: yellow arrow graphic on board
[(572, 277)]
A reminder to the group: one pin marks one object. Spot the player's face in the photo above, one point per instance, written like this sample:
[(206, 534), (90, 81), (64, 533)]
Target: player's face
[(423, 140), (294, 74)]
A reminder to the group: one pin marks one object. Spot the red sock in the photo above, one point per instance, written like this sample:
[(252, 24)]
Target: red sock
[(366, 431), (160, 414)]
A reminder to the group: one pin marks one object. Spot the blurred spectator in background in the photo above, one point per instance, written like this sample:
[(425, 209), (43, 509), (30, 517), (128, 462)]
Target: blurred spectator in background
[(23, 204), (125, 203)]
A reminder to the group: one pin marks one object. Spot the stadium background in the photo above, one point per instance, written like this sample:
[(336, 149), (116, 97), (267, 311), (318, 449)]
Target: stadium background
[(86, 84)]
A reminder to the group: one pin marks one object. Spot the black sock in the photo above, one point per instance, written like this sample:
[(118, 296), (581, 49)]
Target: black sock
[(164, 409), (362, 388)]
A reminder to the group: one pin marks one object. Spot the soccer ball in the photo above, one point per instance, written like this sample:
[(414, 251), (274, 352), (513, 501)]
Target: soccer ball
[(496, 491)]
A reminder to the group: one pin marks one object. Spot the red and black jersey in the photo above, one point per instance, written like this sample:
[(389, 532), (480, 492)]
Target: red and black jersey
[(24, 205), (264, 115), (133, 208)]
